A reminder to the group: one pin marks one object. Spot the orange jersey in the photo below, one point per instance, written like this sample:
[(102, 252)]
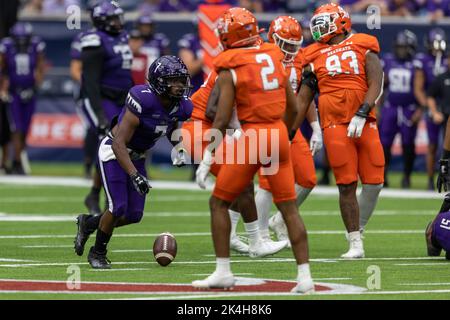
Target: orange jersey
[(200, 98), (339, 69), (259, 79), (294, 72)]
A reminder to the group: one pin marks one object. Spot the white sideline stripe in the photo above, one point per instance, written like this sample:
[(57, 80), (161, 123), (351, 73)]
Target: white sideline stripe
[(435, 264), (193, 234), (268, 294), (268, 260), (16, 260), (159, 198), (123, 269), (132, 250), (183, 185), (57, 217), (48, 246), (425, 284)]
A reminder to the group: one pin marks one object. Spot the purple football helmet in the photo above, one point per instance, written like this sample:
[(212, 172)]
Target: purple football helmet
[(21, 33), (405, 45), (436, 40), (108, 16), (162, 73)]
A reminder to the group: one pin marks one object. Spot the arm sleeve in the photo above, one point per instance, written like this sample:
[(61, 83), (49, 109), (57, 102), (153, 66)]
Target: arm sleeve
[(132, 103), (92, 61)]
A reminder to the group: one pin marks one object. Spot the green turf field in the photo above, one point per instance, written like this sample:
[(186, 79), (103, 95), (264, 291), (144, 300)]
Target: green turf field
[(37, 229)]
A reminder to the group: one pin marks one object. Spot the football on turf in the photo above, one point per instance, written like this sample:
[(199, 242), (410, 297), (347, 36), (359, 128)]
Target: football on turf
[(165, 248)]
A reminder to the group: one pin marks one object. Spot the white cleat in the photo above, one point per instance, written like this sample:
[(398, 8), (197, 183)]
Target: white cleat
[(216, 281), (238, 245), (276, 223), (356, 250), (264, 248), (304, 287)]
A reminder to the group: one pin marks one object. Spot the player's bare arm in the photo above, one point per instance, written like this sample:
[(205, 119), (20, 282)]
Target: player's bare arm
[(75, 70), (211, 106), (291, 106), (311, 114), (374, 74), (40, 69), (122, 134), (305, 96), (419, 85), (226, 101)]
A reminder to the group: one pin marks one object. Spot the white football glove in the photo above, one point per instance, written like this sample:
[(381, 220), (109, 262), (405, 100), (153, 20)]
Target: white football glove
[(356, 126), (316, 141), (180, 159), (203, 169)]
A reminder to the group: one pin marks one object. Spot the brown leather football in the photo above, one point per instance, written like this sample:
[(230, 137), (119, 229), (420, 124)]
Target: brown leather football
[(165, 248)]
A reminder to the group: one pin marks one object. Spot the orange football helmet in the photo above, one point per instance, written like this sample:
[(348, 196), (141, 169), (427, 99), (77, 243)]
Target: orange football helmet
[(328, 21), (287, 33), (237, 28)]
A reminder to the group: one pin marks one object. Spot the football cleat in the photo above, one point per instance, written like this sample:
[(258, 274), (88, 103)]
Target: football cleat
[(91, 202), (265, 248), (98, 260), (276, 223), (304, 287), (237, 245), (215, 281), (82, 234)]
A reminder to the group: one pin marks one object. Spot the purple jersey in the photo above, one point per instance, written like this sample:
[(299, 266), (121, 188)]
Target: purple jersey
[(430, 66), (20, 66), (155, 120), (116, 69), (191, 42), (155, 47), (441, 230), (400, 77)]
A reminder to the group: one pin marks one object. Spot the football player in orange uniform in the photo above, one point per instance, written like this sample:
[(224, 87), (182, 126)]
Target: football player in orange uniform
[(286, 33), (195, 142), (348, 72), (251, 75)]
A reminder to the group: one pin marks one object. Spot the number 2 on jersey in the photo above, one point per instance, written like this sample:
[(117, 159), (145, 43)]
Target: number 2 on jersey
[(266, 71)]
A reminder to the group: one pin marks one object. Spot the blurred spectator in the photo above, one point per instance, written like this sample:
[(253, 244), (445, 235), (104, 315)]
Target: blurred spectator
[(33, 7), (438, 8), (252, 5), (403, 8), (57, 6), (360, 6)]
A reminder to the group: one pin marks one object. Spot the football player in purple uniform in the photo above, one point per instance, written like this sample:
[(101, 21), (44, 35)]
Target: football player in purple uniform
[(155, 44), (106, 76), (428, 66), (151, 111), (22, 58), (400, 112)]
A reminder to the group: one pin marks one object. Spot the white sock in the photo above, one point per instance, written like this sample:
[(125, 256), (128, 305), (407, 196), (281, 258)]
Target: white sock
[(367, 201), (252, 229), (234, 217), (263, 202), (223, 265), (303, 272), (302, 193), (354, 236)]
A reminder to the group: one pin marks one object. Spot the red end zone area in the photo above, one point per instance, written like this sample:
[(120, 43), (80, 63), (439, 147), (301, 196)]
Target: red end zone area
[(247, 285)]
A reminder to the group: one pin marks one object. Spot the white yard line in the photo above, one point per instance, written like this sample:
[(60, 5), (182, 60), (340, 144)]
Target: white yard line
[(182, 185)]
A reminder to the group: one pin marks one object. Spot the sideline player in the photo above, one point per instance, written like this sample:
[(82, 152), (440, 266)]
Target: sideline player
[(252, 75), (349, 77)]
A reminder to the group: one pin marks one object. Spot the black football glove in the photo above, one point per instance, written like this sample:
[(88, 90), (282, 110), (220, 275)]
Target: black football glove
[(140, 183), (443, 180)]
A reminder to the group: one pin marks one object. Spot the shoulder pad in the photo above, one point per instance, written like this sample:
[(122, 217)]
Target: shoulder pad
[(133, 100), (90, 40)]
